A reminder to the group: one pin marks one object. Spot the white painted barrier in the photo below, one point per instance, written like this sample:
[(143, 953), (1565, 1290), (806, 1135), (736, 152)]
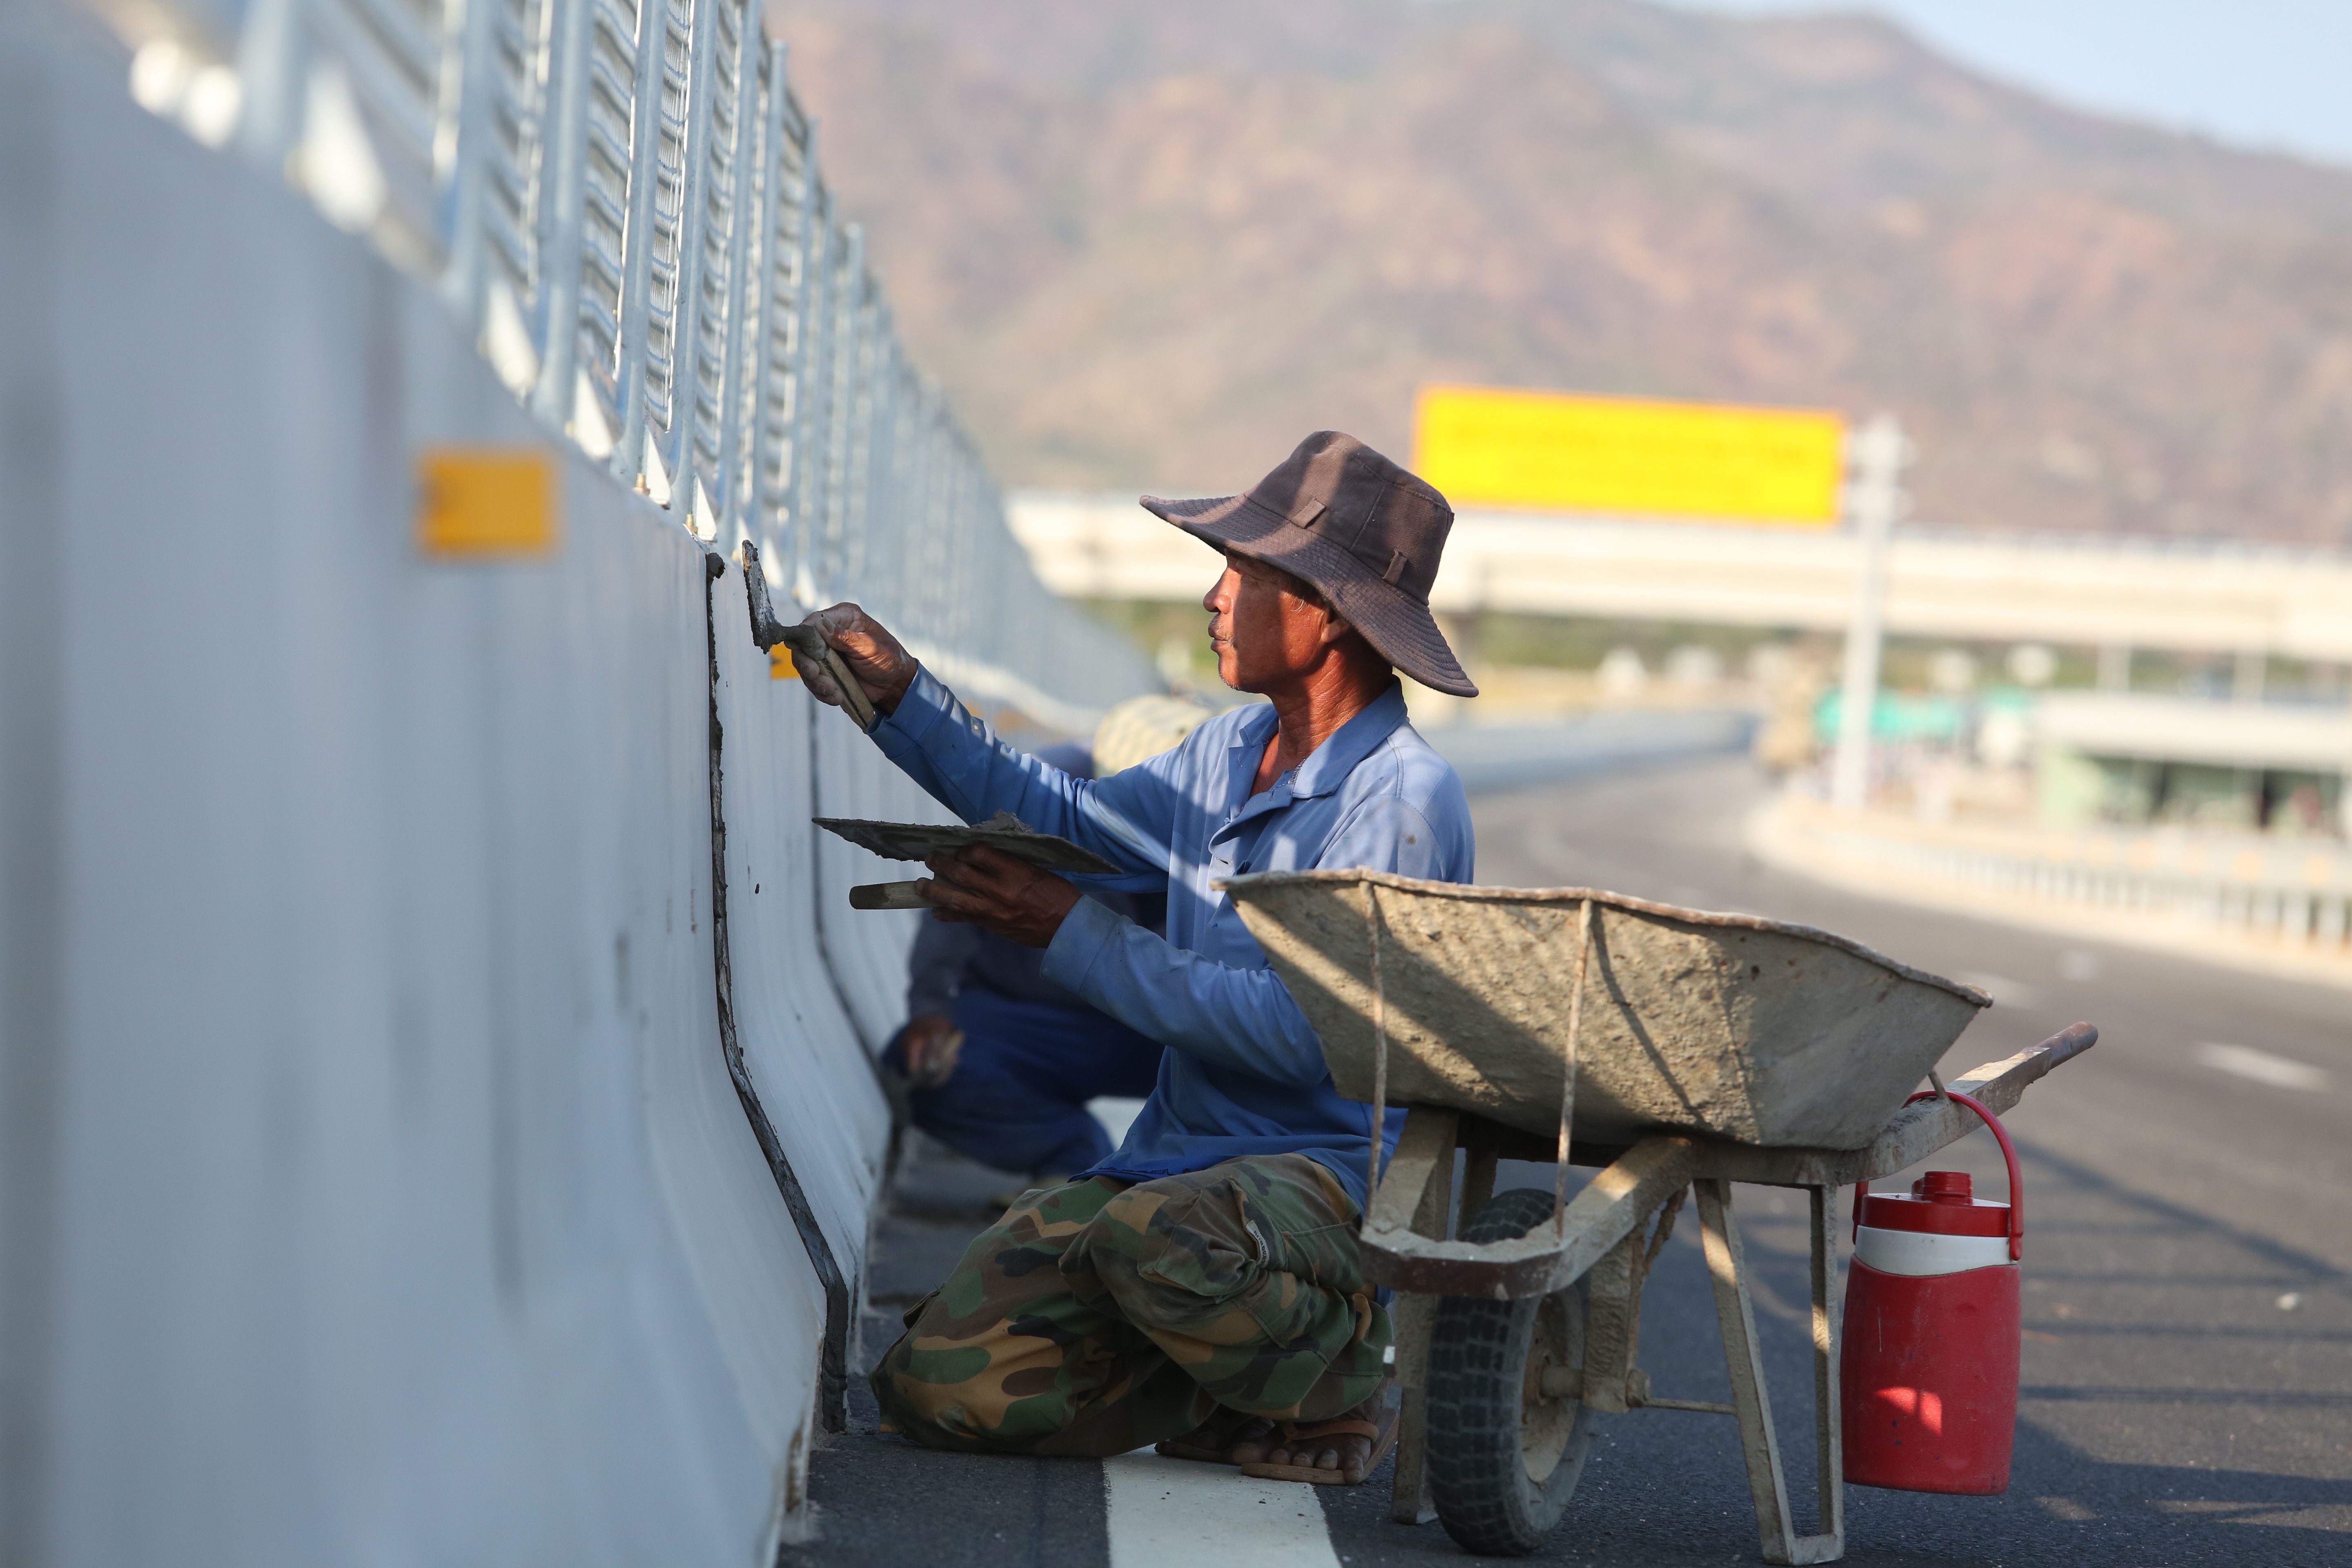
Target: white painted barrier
[(382, 1177)]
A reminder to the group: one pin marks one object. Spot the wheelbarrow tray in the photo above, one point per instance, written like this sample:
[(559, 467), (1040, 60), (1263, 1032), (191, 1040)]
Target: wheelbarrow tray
[(1729, 1027)]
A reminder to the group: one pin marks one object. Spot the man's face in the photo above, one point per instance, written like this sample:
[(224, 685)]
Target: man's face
[(1261, 633)]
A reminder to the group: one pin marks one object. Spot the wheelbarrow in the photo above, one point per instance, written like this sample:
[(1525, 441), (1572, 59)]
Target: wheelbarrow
[(1681, 1052)]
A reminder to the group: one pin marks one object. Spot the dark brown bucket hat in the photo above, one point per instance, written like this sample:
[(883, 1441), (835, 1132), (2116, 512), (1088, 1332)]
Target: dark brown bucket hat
[(1361, 529)]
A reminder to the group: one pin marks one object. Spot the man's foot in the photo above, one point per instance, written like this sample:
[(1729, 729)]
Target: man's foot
[(1341, 1451), (1226, 1437)]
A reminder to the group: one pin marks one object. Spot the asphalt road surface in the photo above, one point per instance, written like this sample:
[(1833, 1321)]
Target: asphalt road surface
[(2187, 1357)]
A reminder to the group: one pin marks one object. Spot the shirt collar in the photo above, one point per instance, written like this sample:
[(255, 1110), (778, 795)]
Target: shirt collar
[(1329, 765), (1256, 727), (1359, 738)]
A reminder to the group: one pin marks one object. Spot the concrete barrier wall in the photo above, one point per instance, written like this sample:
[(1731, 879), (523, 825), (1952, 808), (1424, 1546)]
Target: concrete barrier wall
[(407, 1151)]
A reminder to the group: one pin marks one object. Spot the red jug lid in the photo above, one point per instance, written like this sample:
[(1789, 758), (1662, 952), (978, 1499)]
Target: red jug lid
[(1940, 1203)]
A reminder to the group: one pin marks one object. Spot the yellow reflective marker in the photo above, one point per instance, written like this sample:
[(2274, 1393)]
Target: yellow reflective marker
[(485, 501), (1562, 452), (780, 664)]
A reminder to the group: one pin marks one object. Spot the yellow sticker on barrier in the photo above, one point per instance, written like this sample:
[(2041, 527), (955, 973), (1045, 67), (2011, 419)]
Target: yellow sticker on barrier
[(485, 502), (1562, 452), (780, 664)]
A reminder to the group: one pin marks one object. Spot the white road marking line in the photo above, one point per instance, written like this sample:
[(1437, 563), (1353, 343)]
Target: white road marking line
[(1175, 1514), (2279, 1072)]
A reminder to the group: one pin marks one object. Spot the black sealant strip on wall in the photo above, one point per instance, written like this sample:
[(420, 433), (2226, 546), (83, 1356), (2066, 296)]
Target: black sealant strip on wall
[(833, 1364)]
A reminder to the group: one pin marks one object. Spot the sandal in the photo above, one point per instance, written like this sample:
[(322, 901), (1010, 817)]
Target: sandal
[(1383, 1436), (1245, 1429)]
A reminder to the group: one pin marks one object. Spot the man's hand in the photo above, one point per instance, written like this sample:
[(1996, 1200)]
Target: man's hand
[(882, 669), (991, 889), (930, 1046)]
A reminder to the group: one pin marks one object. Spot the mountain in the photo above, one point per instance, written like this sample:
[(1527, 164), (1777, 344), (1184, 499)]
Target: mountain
[(1153, 242)]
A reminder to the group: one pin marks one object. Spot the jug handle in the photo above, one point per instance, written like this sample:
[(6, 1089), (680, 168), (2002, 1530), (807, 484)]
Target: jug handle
[(2008, 1152)]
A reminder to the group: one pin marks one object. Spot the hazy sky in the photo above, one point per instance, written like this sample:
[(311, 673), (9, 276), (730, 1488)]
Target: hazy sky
[(2260, 73)]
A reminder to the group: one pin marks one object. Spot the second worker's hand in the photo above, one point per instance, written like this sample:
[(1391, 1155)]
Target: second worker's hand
[(882, 669), (997, 892), (929, 1045)]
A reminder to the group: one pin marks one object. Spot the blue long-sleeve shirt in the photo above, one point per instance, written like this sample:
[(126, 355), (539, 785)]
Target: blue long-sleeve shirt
[(1244, 1074)]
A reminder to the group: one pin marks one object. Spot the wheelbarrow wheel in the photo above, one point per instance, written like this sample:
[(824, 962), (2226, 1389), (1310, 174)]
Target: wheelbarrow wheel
[(1504, 1457)]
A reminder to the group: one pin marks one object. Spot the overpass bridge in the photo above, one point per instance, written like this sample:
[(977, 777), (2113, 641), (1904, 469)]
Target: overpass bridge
[(2191, 596)]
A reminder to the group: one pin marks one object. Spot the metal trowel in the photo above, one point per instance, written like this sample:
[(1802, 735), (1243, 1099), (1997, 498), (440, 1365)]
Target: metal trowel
[(805, 640)]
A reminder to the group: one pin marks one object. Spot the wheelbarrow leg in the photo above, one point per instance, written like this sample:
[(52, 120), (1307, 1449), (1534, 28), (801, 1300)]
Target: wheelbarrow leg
[(1410, 1502), (1413, 1320), (1829, 1410), (1736, 1314), (1410, 1499)]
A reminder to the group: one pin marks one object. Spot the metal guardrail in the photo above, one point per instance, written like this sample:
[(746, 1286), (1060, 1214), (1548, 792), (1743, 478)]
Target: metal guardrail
[(2299, 892), (622, 199), (2295, 914)]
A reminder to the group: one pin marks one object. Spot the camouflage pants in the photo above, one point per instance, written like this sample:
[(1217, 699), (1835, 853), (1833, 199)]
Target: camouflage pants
[(1099, 1317)]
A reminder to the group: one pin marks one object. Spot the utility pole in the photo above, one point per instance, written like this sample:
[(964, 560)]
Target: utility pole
[(1876, 495)]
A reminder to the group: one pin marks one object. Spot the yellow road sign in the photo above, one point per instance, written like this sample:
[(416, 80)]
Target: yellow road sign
[(485, 502), (1561, 452)]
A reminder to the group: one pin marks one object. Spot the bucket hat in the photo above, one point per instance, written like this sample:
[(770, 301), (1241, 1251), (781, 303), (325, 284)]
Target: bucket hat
[(1364, 531)]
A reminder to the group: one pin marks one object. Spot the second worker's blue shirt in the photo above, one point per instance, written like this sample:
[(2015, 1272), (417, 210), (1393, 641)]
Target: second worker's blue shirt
[(1244, 1073)]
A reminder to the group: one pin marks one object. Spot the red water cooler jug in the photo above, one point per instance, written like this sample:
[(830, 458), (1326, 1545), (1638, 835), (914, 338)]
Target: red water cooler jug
[(1928, 1372)]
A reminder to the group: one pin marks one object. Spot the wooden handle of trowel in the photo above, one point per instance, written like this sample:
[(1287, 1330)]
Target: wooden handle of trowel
[(811, 643), (887, 896), (767, 632), (853, 700)]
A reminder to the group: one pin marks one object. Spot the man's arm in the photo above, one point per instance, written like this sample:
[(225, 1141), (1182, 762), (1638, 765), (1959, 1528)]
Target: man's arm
[(1241, 1017), (958, 761)]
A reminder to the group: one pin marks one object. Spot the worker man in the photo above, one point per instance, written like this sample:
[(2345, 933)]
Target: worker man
[(1201, 1287)]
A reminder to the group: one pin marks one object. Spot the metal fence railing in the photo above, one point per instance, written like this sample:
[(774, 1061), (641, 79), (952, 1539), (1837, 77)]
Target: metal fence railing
[(622, 198), (2297, 893)]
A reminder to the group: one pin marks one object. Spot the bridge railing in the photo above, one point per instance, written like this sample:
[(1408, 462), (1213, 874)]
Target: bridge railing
[(621, 198)]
